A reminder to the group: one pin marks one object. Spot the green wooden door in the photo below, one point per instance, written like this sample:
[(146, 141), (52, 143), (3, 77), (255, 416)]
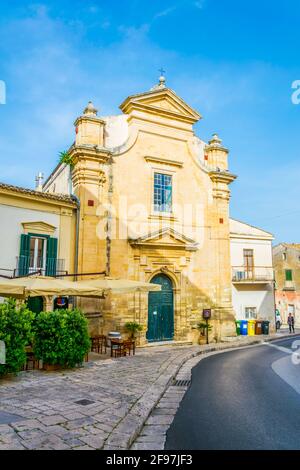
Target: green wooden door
[(161, 311), (35, 304)]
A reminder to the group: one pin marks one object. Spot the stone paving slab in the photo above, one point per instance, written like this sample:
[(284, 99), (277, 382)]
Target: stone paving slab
[(123, 393)]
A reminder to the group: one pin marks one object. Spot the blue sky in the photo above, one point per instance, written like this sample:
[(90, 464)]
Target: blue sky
[(233, 61)]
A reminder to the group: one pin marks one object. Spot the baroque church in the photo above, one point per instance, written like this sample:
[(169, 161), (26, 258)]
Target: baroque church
[(153, 205)]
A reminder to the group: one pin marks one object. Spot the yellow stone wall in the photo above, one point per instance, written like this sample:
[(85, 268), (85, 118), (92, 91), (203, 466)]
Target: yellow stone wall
[(121, 234)]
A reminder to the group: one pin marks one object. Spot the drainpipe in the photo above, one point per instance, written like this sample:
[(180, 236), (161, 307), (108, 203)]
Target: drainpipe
[(77, 201), (109, 217)]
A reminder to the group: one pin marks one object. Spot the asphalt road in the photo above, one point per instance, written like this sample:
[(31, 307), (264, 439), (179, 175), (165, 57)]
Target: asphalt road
[(242, 399)]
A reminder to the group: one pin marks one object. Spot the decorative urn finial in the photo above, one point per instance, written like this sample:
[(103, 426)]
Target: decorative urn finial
[(90, 110), (215, 141)]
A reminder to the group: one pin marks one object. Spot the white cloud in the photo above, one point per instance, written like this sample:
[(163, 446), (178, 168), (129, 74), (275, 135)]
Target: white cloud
[(165, 12), (199, 4)]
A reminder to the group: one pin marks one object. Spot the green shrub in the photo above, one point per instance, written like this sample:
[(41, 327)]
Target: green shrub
[(16, 332), (61, 337), (133, 327)]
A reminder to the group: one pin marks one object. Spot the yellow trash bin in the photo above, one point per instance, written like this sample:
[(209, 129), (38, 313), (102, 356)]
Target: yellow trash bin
[(251, 328)]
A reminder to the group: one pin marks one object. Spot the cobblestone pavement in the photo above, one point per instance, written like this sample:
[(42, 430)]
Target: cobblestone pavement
[(122, 392), (41, 410)]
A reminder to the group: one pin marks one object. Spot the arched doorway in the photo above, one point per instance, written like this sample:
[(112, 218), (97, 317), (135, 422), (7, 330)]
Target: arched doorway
[(161, 311)]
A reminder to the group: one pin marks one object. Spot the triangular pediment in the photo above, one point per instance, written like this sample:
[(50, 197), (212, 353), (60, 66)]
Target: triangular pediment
[(166, 237), (39, 228), (163, 102)]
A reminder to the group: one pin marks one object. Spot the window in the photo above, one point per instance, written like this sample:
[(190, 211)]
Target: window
[(162, 193), (284, 256), (249, 263), (37, 258), (250, 313), (37, 252), (291, 309), (288, 275)]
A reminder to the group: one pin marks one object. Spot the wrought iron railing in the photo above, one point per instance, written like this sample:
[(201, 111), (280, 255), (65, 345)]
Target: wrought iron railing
[(256, 274), (45, 266)]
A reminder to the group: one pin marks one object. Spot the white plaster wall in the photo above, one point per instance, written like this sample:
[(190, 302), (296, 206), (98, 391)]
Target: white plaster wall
[(116, 130), (11, 219), (256, 295), (59, 182), (259, 296), (262, 251)]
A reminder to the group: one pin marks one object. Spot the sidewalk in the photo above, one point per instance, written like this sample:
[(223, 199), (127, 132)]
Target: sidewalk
[(103, 405)]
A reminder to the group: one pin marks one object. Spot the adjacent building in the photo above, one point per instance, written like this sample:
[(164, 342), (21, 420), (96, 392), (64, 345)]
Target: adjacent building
[(252, 272), (37, 232), (286, 259)]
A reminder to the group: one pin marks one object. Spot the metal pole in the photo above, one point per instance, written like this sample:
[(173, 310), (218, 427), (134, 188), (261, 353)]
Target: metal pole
[(207, 342)]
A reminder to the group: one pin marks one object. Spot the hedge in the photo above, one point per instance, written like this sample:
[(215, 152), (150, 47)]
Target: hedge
[(16, 332), (61, 337)]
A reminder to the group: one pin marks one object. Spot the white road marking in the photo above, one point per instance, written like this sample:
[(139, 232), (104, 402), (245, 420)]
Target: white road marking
[(288, 372), (280, 348)]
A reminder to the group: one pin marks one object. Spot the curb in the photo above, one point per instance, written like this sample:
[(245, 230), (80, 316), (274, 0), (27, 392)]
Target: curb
[(126, 432)]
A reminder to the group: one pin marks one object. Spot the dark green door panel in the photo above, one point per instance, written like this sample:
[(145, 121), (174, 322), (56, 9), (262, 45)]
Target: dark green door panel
[(161, 311), (35, 304)]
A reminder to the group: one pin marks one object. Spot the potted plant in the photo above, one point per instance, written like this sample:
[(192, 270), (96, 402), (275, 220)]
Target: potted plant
[(133, 327), (204, 328)]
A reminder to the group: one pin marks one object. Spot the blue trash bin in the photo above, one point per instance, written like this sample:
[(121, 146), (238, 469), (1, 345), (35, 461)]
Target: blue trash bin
[(244, 327)]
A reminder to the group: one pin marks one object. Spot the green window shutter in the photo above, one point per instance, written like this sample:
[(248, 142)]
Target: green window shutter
[(51, 261), (24, 255), (288, 275)]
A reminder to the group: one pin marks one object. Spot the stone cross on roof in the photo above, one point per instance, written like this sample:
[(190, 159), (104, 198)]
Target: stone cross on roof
[(162, 81)]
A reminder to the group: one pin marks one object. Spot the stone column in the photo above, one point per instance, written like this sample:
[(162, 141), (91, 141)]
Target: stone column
[(90, 162), (221, 179), (48, 303)]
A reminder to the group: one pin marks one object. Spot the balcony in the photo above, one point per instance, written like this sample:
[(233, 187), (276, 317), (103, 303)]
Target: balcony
[(44, 266), (256, 275), (289, 286)]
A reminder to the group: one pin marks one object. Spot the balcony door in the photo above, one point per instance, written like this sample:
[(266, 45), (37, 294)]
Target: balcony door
[(249, 264), (38, 254)]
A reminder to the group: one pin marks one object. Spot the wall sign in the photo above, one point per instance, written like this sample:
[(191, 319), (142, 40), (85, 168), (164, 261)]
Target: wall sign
[(207, 313)]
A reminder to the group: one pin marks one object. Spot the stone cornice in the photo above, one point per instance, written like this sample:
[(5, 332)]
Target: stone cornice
[(89, 151), (88, 118), (222, 177), (155, 239), (218, 148), (164, 161), (157, 111)]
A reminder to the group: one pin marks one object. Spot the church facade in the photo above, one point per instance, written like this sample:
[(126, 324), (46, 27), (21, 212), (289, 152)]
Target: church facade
[(154, 206)]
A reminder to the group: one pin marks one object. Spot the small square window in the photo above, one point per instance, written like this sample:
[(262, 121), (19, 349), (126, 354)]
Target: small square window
[(250, 313)]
